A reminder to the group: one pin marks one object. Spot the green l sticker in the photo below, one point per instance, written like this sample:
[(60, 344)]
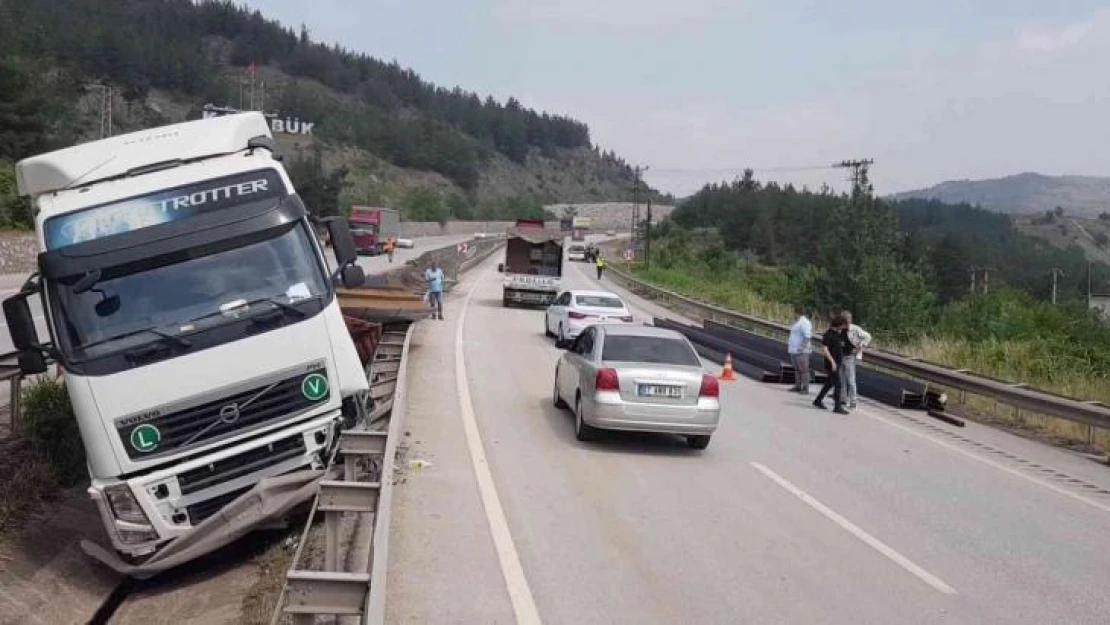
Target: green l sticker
[(314, 387), (145, 438)]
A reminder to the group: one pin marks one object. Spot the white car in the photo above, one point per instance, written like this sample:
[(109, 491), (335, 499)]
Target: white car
[(408, 243), (576, 252), (574, 311)]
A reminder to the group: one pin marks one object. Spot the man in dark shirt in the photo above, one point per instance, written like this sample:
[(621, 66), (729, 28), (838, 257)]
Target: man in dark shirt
[(832, 346)]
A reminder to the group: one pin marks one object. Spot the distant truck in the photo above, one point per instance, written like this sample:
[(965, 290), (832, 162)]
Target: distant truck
[(372, 226), (533, 264)]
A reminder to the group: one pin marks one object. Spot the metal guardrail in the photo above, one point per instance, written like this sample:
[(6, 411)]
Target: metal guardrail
[(353, 580), (1021, 396), (11, 372)]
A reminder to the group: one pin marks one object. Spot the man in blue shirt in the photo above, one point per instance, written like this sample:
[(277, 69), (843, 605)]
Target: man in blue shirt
[(800, 348), (434, 277)]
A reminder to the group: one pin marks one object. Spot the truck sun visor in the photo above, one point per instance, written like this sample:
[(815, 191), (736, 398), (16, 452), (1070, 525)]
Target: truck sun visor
[(263, 218), (161, 207)]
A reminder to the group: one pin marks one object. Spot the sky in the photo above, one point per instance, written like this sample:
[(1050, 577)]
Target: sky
[(696, 90)]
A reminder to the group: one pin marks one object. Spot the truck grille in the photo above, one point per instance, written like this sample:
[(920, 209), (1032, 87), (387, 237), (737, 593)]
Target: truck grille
[(241, 411), (198, 512), (243, 464)]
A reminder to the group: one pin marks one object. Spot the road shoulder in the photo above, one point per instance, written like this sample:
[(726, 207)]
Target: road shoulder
[(443, 566)]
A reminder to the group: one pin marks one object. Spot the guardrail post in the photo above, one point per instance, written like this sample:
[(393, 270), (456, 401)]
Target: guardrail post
[(16, 404)]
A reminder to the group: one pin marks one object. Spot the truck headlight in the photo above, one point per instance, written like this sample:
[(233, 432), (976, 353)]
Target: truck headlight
[(124, 505), (132, 537)]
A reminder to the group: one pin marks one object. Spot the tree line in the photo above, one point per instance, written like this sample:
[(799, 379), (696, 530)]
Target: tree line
[(182, 46), (896, 264)]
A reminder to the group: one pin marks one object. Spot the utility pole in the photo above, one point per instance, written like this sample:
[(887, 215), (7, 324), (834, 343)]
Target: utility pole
[(973, 271), (1056, 272), (636, 224), (647, 236), (859, 179), (986, 280), (105, 111)]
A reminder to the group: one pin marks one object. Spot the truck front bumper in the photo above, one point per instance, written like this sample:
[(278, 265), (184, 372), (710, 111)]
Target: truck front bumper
[(176, 499)]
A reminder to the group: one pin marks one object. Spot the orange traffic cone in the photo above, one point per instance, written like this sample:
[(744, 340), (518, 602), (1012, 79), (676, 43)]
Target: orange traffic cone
[(726, 372)]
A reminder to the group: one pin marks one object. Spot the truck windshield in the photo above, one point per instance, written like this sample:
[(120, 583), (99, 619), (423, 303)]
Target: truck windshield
[(187, 292)]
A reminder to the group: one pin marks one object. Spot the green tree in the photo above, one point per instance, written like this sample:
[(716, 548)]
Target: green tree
[(318, 189), (421, 204)]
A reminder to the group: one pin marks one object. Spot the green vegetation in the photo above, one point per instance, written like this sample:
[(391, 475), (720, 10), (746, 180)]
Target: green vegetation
[(904, 271), (49, 424), (182, 47), (48, 456)]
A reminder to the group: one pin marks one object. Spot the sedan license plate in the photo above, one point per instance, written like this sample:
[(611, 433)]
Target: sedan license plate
[(660, 390)]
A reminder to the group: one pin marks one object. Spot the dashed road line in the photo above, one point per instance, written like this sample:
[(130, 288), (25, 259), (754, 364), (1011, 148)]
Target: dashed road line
[(855, 530)]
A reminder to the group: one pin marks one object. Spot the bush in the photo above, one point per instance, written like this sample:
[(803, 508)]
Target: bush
[(51, 428)]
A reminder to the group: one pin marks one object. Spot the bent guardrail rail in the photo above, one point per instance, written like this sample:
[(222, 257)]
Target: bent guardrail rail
[(1020, 396)]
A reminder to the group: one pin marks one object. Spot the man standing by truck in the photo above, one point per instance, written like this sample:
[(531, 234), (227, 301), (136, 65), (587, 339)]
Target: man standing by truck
[(600, 263), (434, 277)]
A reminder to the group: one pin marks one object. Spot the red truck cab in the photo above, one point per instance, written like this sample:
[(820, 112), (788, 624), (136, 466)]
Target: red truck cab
[(372, 226)]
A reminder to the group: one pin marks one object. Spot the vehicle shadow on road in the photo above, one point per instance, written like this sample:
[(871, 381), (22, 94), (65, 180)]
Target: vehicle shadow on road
[(561, 422)]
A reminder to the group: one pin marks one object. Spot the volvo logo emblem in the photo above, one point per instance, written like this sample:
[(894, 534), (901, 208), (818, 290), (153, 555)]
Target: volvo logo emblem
[(230, 413)]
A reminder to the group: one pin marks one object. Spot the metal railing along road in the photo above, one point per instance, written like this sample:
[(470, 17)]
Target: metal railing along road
[(1020, 396), (10, 371)]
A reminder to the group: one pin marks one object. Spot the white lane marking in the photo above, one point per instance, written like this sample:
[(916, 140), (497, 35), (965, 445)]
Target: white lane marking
[(987, 461), (854, 530), (524, 606)]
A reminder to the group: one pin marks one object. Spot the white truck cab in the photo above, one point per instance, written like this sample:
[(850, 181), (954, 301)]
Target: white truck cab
[(192, 310)]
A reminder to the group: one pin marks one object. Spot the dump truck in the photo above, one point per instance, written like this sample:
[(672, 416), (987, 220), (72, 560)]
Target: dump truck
[(194, 315), (371, 228), (533, 267)]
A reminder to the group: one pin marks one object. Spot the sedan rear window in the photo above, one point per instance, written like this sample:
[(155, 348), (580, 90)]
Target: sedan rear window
[(577, 248), (598, 301), (649, 349)]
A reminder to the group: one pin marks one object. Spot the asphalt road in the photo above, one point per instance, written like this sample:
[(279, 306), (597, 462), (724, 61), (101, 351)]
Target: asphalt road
[(792, 515)]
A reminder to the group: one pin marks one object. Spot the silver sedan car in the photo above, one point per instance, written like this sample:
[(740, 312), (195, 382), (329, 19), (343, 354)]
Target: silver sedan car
[(637, 378)]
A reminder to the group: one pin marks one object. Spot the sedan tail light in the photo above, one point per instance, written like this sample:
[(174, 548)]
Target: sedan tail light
[(709, 386), (576, 315), (607, 380)]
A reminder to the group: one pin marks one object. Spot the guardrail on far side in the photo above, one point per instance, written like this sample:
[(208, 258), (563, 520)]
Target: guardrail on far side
[(1020, 396)]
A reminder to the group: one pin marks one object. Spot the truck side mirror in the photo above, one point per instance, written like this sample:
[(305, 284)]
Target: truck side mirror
[(21, 324), (342, 241), (501, 267), (353, 276), (25, 337)]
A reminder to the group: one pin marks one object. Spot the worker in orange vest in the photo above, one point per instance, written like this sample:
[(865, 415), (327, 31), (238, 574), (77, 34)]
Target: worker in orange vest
[(390, 245)]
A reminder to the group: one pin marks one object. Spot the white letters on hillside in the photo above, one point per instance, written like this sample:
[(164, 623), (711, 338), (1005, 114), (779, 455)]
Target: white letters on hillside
[(288, 126)]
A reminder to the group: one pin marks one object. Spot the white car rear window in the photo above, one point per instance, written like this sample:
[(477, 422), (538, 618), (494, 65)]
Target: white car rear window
[(598, 301)]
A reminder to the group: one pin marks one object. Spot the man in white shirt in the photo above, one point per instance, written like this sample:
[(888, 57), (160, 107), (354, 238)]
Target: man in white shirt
[(800, 347), (858, 339)]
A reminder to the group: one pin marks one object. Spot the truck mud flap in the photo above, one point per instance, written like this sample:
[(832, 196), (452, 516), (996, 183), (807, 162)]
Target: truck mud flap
[(270, 499)]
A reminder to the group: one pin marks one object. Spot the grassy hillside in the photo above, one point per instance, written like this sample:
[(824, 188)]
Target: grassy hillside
[(1086, 196), (1090, 235)]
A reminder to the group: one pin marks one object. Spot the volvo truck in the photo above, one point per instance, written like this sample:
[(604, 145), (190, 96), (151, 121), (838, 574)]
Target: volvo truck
[(533, 264), (194, 315)]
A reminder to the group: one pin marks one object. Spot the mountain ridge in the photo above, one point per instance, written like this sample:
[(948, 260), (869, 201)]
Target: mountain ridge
[(1023, 193)]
